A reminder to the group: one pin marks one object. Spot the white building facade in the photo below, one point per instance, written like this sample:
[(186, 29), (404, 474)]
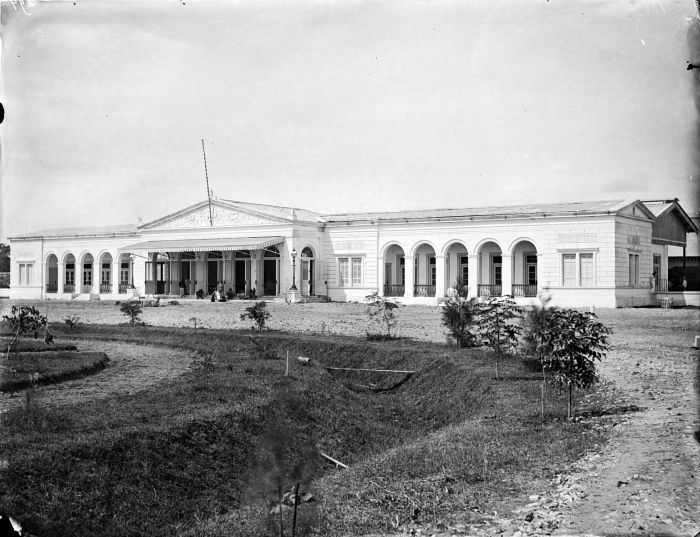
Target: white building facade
[(605, 254)]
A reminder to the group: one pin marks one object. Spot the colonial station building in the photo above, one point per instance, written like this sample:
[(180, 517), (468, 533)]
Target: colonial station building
[(605, 253)]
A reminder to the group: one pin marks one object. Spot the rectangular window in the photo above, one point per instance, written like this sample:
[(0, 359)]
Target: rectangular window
[(105, 273), (357, 271), (586, 270), (124, 274), (402, 269), (70, 273), (569, 270), (343, 271), (87, 274), (26, 273), (464, 268), (634, 270), (433, 270), (497, 269)]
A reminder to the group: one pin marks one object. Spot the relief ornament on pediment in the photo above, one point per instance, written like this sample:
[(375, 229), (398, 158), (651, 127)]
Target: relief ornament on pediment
[(220, 216)]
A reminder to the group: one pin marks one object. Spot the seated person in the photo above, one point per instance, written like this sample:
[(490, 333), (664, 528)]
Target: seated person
[(230, 294), (200, 294)]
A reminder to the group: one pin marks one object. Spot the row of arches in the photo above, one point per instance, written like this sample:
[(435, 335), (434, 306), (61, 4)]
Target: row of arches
[(487, 271), (87, 273), (186, 273)]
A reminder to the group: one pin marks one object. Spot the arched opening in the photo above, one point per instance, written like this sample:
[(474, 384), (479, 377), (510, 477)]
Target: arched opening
[(308, 271), (106, 273), (69, 274), (271, 268), (394, 271), (52, 274), (456, 265), (424, 271), (490, 275), (524, 269), (86, 278)]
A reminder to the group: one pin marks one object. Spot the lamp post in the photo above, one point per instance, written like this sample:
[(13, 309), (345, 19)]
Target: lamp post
[(294, 270)]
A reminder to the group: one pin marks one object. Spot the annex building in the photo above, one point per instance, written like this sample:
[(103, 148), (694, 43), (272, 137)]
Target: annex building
[(605, 253)]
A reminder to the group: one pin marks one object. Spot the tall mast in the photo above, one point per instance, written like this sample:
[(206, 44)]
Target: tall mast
[(206, 174)]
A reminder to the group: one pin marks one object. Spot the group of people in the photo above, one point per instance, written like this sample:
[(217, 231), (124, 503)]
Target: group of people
[(217, 296)]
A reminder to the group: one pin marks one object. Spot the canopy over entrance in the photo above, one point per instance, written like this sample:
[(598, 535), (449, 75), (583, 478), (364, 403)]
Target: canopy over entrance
[(205, 245)]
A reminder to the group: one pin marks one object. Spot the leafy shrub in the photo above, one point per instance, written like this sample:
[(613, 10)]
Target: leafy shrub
[(258, 313), (574, 342), (459, 316), (382, 310), (497, 326), (26, 320), (132, 310)]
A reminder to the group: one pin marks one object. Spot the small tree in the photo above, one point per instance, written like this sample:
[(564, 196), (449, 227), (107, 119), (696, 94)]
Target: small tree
[(459, 314), (381, 309), (72, 321), (497, 326), (258, 313), (24, 321), (133, 310), (575, 341)]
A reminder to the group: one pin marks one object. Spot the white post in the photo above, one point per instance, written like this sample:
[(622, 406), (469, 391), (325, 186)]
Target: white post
[(440, 276), (506, 274), (473, 276), (410, 280)]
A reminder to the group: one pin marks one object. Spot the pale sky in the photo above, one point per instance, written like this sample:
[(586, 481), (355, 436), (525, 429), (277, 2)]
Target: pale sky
[(341, 106)]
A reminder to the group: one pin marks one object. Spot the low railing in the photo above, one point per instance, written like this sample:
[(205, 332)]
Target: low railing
[(394, 289), (524, 289), (69, 288), (150, 287), (52, 288), (86, 289), (122, 288), (423, 290), (661, 285), (105, 288), (490, 289)]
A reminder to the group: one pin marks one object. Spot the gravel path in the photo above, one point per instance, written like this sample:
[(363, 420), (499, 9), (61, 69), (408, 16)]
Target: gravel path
[(131, 368)]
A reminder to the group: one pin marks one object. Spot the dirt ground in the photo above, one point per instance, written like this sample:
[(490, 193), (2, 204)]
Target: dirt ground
[(644, 481)]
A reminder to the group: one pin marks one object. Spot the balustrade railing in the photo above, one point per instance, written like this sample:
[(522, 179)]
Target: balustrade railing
[(524, 289), (69, 288), (105, 288), (52, 288), (490, 289), (423, 290), (122, 288), (394, 289), (661, 285)]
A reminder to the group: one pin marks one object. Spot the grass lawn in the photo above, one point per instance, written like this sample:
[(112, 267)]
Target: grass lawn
[(207, 453)]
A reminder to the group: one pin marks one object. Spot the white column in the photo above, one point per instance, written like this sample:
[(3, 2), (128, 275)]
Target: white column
[(410, 269), (116, 270), (61, 278), (139, 274), (96, 275), (380, 276), (506, 274), (473, 276), (440, 276)]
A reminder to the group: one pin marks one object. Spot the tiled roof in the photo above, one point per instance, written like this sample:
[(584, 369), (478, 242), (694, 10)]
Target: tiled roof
[(549, 209)]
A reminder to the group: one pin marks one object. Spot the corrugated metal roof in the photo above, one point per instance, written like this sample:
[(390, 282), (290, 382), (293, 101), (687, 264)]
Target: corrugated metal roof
[(204, 245), (583, 207), (98, 231)]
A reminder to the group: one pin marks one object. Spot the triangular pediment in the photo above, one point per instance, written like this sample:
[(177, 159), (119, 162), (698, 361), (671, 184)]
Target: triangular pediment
[(636, 208), (222, 215)]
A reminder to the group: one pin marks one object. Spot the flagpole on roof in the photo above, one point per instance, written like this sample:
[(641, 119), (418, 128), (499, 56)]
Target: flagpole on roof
[(206, 174)]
